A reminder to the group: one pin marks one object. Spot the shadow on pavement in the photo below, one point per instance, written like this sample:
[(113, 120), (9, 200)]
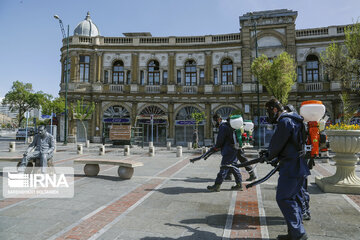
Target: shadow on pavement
[(179, 190), (195, 180), (111, 178), (243, 222), (196, 234)]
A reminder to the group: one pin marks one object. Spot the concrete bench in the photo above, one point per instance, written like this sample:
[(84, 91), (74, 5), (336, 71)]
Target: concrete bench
[(125, 171)]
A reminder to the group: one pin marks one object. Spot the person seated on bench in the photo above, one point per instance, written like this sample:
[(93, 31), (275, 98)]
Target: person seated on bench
[(44, 145)]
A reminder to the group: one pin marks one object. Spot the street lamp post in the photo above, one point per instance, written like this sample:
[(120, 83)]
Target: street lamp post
[(257, 84), (66, 73)]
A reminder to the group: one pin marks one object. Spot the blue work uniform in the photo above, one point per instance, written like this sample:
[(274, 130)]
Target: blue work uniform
[(286, 144), (225, 142)]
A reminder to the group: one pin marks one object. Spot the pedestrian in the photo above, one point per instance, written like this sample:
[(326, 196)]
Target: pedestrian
[(225, 142), (286, 145)]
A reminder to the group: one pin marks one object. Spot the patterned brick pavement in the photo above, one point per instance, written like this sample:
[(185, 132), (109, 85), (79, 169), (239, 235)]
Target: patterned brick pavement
[(90, 226)]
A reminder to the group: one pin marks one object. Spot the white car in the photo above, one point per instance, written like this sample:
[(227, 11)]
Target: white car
[(21, 133)]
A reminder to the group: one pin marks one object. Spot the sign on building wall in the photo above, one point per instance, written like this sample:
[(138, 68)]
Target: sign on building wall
[(187, 122), (116, 120), (120, 132)]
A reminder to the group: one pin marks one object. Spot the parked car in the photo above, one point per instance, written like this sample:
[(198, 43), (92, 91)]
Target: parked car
[(21, 133)]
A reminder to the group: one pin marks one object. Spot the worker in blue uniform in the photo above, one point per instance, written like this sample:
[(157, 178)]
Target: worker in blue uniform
[(285, 146), (304, 197), (225, 142)]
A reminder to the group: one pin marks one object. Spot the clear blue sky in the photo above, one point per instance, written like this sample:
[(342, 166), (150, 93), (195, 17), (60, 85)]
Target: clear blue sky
[(30, 37)]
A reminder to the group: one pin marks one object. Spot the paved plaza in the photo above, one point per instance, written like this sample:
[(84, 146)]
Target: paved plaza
[(167, 199)]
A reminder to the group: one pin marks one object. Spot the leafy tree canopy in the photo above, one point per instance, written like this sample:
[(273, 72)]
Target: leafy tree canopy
[(21, 98), (277, 76)]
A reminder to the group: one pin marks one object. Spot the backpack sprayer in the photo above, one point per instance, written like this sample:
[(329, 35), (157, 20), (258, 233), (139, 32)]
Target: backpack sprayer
[(237, 123), (312, 111), (247, 135)]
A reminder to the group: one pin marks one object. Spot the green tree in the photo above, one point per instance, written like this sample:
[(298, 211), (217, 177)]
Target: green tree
[(21, 98), (56, 106), (341, 62), (198, 117), (277, 76), (83, 111)]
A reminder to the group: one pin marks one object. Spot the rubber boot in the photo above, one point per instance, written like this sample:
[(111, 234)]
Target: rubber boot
[(214, 188), (237, 187), (252, 177)]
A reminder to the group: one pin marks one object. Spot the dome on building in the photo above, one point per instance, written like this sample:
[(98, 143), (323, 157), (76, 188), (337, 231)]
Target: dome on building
[(87, 28)]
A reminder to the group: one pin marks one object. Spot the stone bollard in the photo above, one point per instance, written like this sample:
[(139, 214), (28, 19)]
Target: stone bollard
[(189, 145), (12, 146), (151, 144), (152, 151), (29, 139), (203, 150), (179, 151), (126, 150), (102, 150), (80, 149), (168, 146), (87, 143)]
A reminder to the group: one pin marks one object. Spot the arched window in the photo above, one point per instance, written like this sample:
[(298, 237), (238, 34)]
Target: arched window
[(312, 68), (225, 112), (118, 73), (227, 72), (190, 73), (185, 113), (153, 73)]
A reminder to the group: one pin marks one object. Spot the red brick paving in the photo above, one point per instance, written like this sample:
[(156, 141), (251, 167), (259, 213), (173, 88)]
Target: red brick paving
[(246, 221), (90, 226)]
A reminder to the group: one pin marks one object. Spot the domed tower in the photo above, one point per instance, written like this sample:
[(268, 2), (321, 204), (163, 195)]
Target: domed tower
[(87, 28)]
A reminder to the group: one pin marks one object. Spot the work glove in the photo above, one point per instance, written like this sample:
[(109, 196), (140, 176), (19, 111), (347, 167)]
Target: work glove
[(274, 162), (264, 153)]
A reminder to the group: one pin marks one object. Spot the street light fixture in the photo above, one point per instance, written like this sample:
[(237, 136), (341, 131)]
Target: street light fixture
[(257, 81), (66, 73)]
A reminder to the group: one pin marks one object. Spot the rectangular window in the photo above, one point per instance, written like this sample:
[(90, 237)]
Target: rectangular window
[(84, 68), (66, 73), (128, 77), (178, 77), (202, 77), (299, 75), (216, 80), (106, 76), (238, 76), (165, 77), (142, 78)]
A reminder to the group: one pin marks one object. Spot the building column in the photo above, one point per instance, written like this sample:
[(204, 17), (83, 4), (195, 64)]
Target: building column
[(171, 119), (74, 69), (182, 76), (133, 113), (134, 68), (208, 67), (208, 125), (171, 69), (99, 64), (197, 76)]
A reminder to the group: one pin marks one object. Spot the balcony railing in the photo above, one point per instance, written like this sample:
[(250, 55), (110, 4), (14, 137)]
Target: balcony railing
[(227, 89), (152, 89), (189, 89), (116, 88), (314, 87)]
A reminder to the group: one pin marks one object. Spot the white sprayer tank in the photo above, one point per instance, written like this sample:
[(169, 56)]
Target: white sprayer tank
[(248, 126), (236, 121), (312, 110)]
